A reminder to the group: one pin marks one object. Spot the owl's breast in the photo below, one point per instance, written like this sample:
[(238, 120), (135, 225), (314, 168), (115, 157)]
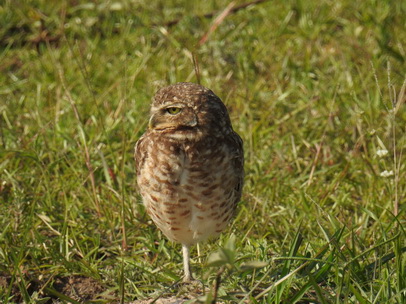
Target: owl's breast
[(189, 190)]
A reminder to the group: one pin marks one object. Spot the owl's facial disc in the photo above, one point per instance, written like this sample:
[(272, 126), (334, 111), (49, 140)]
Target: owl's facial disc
[(172, 116)]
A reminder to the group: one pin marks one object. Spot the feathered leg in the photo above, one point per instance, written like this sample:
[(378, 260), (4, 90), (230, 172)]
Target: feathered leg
[(186, 264)]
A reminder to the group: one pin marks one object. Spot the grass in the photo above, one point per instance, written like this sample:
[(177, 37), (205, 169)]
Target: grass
[(315, 89)]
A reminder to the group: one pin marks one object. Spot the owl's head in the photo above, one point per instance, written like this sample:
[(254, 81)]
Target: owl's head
[(188, 107)]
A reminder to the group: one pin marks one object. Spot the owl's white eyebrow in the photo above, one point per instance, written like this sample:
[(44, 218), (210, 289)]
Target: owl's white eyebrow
[(173, 105)]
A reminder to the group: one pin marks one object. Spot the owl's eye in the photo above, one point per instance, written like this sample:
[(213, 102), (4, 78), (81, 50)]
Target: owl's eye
[(173, 110)]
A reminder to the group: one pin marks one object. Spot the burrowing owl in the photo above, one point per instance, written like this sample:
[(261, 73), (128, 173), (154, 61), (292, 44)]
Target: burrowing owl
[(189, 165)]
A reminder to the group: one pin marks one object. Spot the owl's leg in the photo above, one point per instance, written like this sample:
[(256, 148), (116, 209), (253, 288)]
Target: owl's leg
[(186, 264)]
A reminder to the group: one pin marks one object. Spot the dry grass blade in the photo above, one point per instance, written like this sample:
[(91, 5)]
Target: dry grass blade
[(217, 22)]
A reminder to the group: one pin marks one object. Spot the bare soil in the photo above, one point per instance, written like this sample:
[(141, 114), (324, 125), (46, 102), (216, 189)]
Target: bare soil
[(171, 300), (78, 288)]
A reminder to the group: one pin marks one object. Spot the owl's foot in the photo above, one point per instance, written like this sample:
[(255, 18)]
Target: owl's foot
[(188, 278), (191, 287)]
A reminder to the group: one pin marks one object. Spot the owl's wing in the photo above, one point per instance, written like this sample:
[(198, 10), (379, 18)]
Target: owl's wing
[(238, 161)]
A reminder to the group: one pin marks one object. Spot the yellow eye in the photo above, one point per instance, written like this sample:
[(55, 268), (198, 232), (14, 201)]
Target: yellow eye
[(173, 110)]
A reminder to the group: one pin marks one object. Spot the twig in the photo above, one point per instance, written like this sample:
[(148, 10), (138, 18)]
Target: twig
[(219, 19), (212, 14)]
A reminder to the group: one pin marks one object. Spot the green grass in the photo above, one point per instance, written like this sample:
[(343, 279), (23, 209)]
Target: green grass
[(315, 88)]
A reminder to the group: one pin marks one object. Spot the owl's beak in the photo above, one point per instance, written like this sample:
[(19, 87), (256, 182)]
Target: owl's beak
[(151, 123), (156, 122)]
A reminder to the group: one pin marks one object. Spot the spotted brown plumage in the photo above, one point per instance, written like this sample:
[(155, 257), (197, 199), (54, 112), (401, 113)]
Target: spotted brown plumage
[(189, 165)]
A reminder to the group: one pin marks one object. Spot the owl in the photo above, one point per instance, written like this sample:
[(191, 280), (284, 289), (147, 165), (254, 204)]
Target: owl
[(189, 166)]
